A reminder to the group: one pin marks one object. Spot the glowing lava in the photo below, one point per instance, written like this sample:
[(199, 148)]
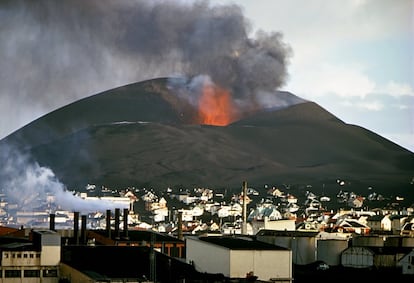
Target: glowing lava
[(216, 107)]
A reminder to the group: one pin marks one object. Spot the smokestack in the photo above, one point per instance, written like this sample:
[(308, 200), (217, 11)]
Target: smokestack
[(126, 212), (108, 223), (244, 225), (52, 222), (117, 214), (76, 227), (180, 225), (83, 229)]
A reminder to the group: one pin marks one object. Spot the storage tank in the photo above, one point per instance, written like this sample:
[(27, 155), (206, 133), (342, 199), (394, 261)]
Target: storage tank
[(407, 242), (357, 257), (303, 247), (368, 241), (330, 250)]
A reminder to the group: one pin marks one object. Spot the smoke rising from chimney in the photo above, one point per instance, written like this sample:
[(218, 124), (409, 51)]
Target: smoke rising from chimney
[(28, 184), (56, 52)]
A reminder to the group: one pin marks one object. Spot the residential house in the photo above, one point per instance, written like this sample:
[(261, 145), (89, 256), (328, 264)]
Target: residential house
[(397, 222), (379, 222), (349, 225), (407, 229), (265, 223)]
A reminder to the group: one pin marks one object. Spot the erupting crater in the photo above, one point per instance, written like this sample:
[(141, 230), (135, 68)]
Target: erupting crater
[(216, 106)]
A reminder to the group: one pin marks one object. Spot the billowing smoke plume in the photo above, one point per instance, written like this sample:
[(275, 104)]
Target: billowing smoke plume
[(55, 52), (32, 187)]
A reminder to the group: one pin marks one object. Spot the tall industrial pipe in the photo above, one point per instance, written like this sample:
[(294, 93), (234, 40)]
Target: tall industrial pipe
[(52, 222), (244, 225), (76, 227), (180, 225), (126, 212), (108, 223), (83, 229), (117, 215)]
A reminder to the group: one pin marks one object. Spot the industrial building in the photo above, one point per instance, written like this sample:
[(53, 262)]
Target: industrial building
[(238, 257), (31, 260)]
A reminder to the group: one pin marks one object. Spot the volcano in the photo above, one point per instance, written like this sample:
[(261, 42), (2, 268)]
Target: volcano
[(144, 134)]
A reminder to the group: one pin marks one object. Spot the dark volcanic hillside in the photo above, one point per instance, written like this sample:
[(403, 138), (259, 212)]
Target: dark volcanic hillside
[(142, 135)]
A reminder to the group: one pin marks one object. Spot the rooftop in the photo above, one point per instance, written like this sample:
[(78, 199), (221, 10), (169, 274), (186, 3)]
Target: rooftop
[(239, 243)]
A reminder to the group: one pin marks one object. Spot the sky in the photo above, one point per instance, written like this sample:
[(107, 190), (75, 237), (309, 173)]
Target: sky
[(353, 57)]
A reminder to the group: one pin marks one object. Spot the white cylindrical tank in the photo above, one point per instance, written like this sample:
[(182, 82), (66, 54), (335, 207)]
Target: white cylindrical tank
[(330, 250), (407, 242), (357, 257), (367, 241)]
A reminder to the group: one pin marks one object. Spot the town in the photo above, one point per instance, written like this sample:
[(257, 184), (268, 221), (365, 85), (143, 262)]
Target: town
[(253, 229)]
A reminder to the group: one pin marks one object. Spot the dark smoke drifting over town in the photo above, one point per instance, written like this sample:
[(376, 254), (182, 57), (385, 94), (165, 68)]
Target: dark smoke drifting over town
[(55, 52)]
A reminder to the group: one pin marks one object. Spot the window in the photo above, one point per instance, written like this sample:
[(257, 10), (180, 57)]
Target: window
[(19, 255), (37, 255), (6, 255), (31, 273), (12, 273), (25, 255), (50, 273), (31, 255)]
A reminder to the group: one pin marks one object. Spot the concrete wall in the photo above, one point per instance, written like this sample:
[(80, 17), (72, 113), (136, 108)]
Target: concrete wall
[(207, 257), (20, 258), (330, 251), (265, 264), (73, 275), (23, 279), (303, 248)]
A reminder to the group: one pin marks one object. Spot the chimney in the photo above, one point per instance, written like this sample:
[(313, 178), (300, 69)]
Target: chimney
[(52, 222), (126, 212), (83, 229), (108, 223), (180, 225), (244, 225), (117, 214), (76, 227)]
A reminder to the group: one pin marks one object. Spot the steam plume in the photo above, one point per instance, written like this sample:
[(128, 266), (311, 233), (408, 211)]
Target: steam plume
[(25, 183)]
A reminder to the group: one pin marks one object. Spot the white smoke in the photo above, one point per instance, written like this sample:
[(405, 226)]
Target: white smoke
[(31, 186)]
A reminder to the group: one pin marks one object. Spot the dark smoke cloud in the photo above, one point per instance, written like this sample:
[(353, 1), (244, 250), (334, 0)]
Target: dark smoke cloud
[(55, 52)]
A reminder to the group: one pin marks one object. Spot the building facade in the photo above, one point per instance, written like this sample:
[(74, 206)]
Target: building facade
[(239, 257), (32, 262)]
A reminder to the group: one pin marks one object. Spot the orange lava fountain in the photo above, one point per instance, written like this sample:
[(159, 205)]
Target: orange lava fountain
[(216, 107)]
